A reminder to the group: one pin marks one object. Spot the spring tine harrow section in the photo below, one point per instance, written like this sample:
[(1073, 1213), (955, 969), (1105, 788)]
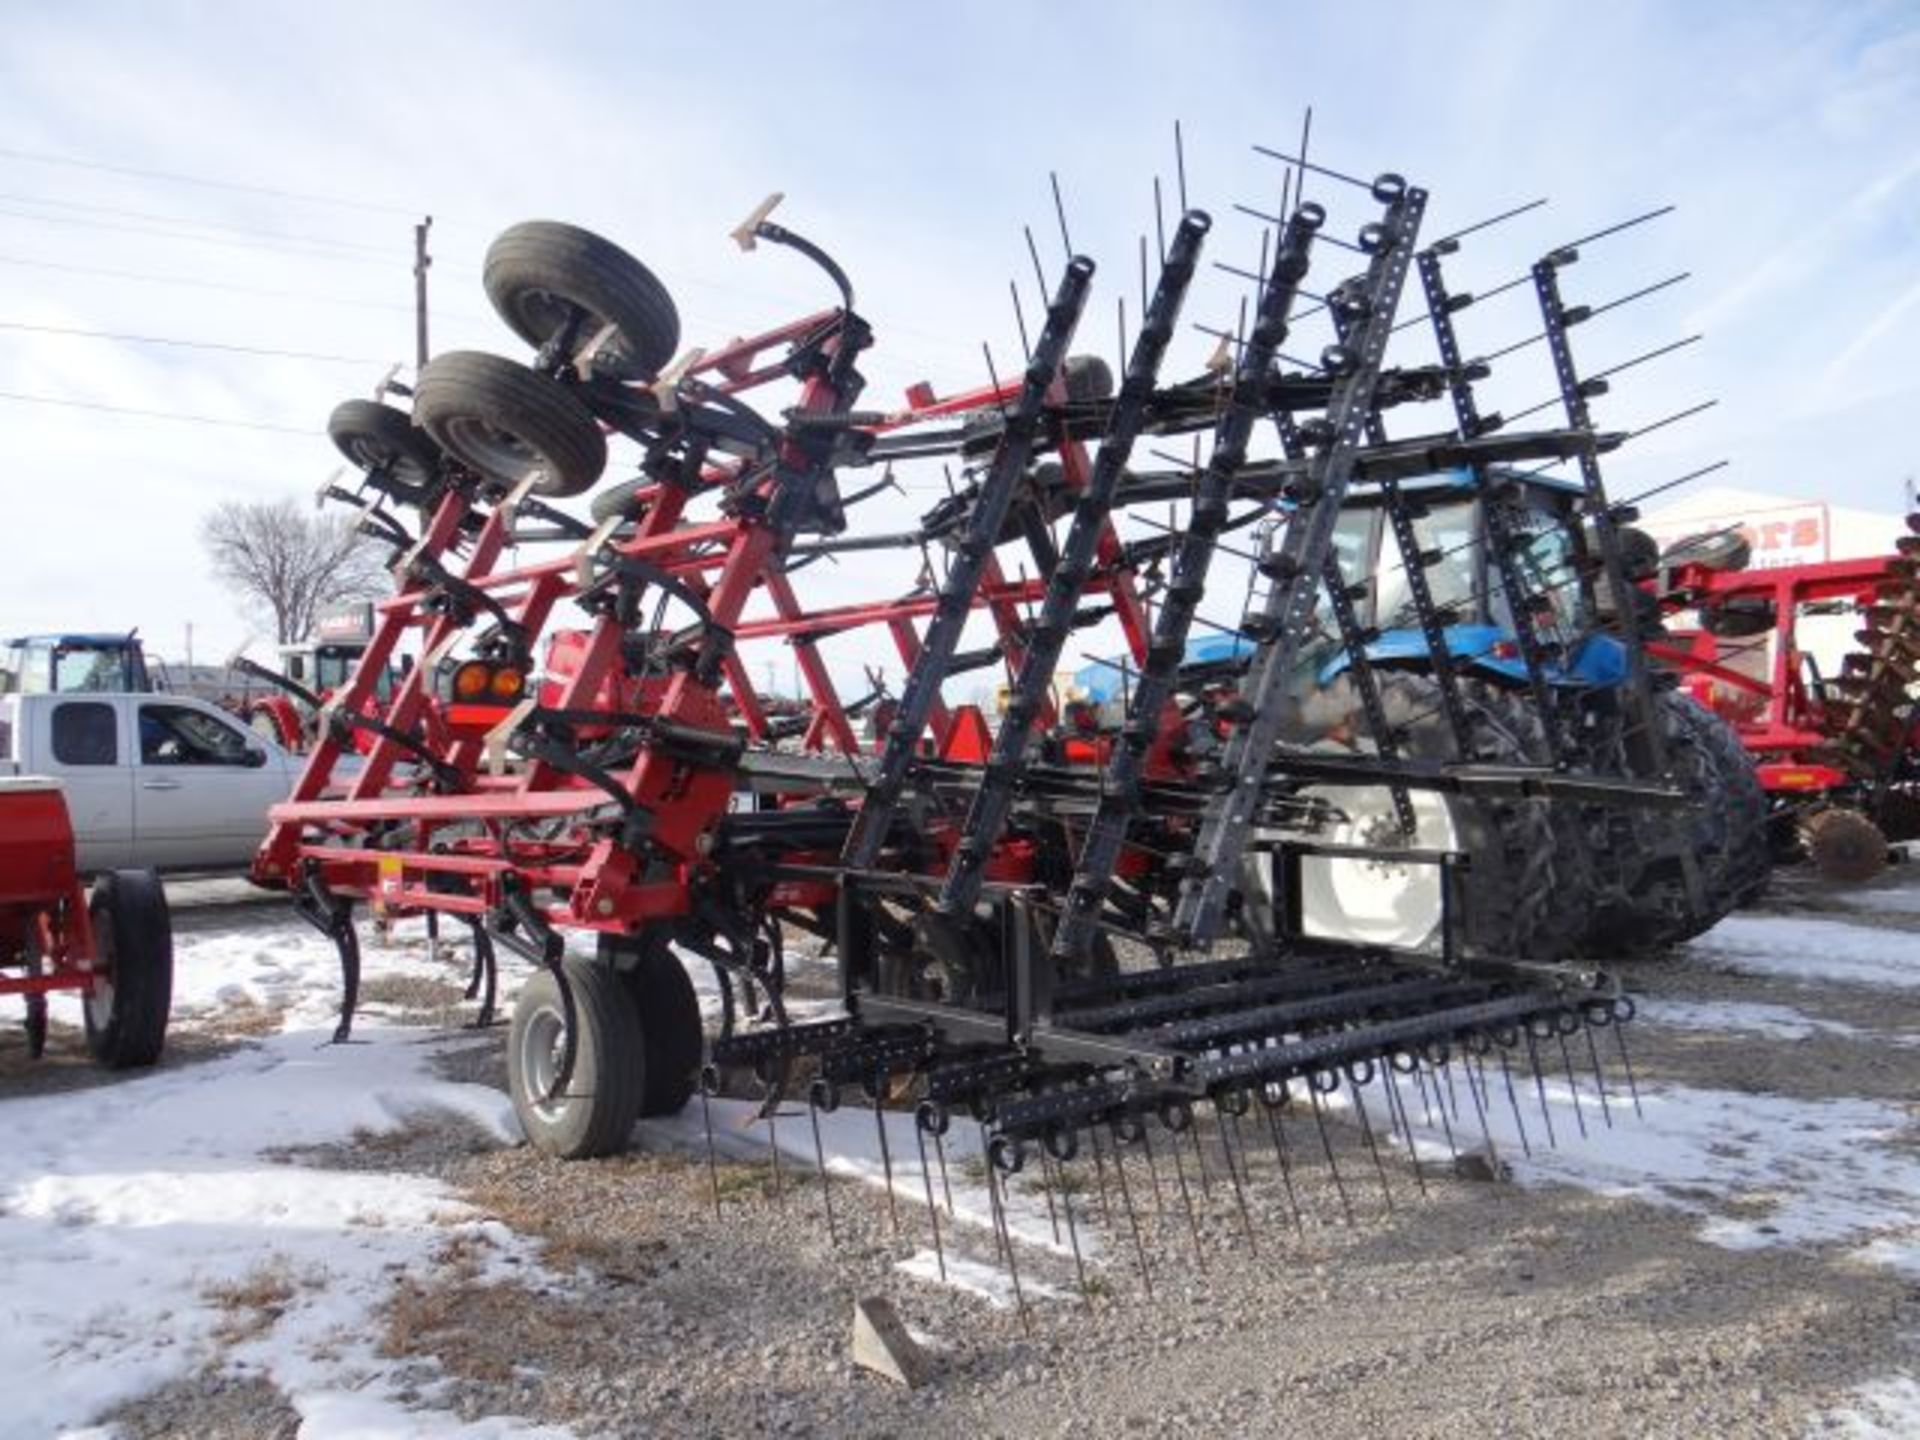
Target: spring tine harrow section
[(1295, 570), (1120, 786)]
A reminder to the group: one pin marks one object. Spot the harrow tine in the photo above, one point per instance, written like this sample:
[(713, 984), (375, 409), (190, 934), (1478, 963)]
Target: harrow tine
[(1006, 1241), (1566, 1060), (1599, 1079), (773, 1144), (933, 1213), (1073, 1240), (1480, 1112), (1426, 1101), (1126, 1203), (1540, 1087), (1397, 1101), (1186, 1198), (940, 1155), (1366, 1129), (820, 1163), (1153, 1173), (713, 1165), (1200, 1160), (886, 1152), (1446, 1125), (1513, 1100), (1046, 1189), (1100, 1174), (1233, 1173), (1633, 1089), (1326, 1145), (1280, 1148)]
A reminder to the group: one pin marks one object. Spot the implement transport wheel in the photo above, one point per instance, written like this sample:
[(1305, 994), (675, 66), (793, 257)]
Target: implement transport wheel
[(1845, 846), (672, 1034), (126, 1008), (510, 422), (540, 275), (595, 1113), (378, 437)]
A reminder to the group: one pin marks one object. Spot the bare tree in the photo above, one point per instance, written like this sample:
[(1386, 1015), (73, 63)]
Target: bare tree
[(287, 562)]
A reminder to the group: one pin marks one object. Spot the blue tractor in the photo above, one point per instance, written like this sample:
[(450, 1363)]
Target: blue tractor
[(1460, 677)]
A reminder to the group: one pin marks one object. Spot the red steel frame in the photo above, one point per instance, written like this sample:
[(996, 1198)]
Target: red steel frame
[(41, 898), (726, 561), (1786, 737)]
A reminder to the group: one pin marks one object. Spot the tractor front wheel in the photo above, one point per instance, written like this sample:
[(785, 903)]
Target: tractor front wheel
[(593, 1113), (132, 991)]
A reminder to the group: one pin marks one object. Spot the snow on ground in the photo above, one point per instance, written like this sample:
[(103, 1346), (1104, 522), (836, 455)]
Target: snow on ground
[(1903, 901), (1776, 1022), (1812, 951), (126, 1209), (1886, 1409), (1760, 1169)]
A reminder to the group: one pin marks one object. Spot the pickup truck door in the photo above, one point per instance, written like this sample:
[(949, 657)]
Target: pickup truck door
[(83, 743), (202, 785)]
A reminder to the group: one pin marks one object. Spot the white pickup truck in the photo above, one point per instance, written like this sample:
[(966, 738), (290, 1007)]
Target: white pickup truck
[(155, 780)]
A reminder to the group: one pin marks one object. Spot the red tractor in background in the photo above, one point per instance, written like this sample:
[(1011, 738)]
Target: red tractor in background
[(114, 946), (1839, 755)]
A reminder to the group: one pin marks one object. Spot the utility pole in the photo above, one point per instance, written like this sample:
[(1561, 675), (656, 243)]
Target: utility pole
[(189, 652), (421, 260)]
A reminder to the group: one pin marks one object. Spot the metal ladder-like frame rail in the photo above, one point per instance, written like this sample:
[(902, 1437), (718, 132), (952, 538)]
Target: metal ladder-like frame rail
[(1047, 636), (1282, 626), (984, 523), (1441, 306), (1120, 789)]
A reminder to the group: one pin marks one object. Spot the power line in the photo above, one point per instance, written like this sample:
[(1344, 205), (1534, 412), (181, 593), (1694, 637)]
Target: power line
[(198, 284), (69, 404), (173, 177), (46, 200), (299, 248), (185, 344)]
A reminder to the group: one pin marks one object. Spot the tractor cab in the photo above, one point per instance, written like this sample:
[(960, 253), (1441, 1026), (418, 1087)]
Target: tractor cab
[(74, 664), (1539, 517)]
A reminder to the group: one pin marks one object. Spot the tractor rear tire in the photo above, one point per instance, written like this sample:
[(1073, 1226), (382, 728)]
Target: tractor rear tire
[(538, 272), (378, 437), (1845, 846), (672, 1031), (126, 1010), (508, 422), (596, 1113)]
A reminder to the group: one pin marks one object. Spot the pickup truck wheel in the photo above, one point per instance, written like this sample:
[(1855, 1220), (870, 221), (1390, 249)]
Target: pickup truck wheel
[(595, 1113), (510, 422), (126, 1009), (540, 275), (377, 437), (672, 1032)]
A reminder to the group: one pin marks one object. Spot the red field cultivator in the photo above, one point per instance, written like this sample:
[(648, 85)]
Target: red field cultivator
[(1839, 754), (1063, 934), (113, 947)]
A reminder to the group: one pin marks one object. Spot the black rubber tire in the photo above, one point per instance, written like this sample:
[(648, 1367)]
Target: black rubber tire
[(596, 1114), (538, 268), (1639, 552), (618, 499), (1087, 377), (1748, 863), (1738, 618), (1715, 549), (379, 437), (126, 1018), (672, 1030), (506, 420)]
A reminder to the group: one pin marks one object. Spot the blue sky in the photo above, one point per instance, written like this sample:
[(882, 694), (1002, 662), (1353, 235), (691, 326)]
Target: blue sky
[(914, 142)]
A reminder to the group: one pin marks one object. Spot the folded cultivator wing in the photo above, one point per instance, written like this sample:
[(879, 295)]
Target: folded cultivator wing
[(1089, 925)]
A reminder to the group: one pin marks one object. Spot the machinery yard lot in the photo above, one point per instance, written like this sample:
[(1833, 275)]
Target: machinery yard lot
[(362, 1241)]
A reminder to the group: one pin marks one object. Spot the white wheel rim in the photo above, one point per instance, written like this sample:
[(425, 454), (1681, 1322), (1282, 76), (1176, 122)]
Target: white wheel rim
[(1376, 902), (542, 1041)]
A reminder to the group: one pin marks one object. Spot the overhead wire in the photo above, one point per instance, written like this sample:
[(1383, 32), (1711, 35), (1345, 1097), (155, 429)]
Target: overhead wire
[(34, 157), (176, 415), (176, 341)]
